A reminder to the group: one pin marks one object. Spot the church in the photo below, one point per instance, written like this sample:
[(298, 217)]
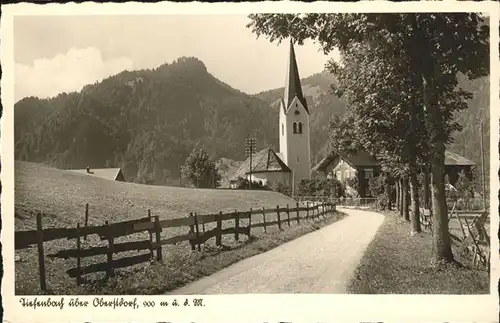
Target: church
[(292, 163)]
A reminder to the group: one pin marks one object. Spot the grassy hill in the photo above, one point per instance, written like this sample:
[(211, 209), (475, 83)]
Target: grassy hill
[(61, 197)]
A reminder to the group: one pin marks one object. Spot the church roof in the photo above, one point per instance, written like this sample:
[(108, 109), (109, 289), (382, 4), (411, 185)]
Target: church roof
[(293, 88), (265, 160)]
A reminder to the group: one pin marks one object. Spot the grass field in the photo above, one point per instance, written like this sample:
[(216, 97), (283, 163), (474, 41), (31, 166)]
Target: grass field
[(61, 197), (397, 263)]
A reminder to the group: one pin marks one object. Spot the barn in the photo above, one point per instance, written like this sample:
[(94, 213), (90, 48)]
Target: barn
[(113, 174)]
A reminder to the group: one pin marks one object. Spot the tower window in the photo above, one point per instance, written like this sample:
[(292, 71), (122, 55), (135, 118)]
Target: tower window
[(282, 129), (295, 127), (300, 127)]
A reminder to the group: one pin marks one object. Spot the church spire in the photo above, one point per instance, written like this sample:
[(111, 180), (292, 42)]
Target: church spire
[(293, 87)]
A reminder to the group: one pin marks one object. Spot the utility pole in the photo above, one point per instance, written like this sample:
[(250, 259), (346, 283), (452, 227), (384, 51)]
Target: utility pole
[(482, 168), (249, 150)]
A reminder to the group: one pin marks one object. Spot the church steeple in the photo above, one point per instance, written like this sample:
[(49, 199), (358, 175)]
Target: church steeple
[(293, 87)]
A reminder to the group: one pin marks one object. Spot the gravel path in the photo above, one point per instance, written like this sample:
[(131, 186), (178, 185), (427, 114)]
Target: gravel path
[(319, 262)]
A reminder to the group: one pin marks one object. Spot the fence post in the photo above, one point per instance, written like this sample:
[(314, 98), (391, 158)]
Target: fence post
[(218, 237), (109, 268), (307, 210), (78, 248), (288, 214), (236, 225), (197, 231), (150, 235), (86, 218), (279, 218), (264, 219), (298, 215), (249, 222), (41, 257), (159, 255), (191, 230)]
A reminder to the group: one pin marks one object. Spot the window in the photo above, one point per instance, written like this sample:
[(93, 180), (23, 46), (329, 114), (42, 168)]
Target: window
[(298, 160), (368, 173), (282, 129), (339, 175), (300, 127), (295, 127), (346, 174), (353, 173)]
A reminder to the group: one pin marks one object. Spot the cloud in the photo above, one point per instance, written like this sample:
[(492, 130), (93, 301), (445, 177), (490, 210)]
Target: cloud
[(66, 73)]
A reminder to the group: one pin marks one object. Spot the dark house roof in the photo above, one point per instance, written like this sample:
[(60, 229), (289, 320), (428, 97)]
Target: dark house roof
[(265, 160), (359, 159), (106, 173), (293, 88), (364, 159), (453, 159)]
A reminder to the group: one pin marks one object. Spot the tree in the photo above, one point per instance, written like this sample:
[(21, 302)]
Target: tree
[(429, 48), (200, 170)]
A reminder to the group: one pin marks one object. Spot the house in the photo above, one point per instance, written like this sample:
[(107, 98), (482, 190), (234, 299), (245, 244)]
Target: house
[(267, 168), (292, 163), (364, 166), (455, 164), (114, 174), (344, 166)]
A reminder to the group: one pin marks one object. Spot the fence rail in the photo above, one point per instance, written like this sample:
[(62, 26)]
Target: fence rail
[(196, 236), (472, 237)]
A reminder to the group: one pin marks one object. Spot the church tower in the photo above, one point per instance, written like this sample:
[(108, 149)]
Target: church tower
[(294, 125)]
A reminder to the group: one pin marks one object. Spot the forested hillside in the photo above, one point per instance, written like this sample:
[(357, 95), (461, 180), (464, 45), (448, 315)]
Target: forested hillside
[(145, 121), (148, 121)]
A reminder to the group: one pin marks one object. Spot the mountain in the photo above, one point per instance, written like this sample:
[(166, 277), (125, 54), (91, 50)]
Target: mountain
[(146, 122)]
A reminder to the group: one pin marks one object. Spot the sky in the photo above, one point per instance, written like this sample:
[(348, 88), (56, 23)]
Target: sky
[(55, 54)]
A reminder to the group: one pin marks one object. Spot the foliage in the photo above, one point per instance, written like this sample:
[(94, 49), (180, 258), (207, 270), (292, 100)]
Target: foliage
[(377, 187), (319, 187), (200, 170), (399, 75), (244, 183), (352, 186), (281, 188)]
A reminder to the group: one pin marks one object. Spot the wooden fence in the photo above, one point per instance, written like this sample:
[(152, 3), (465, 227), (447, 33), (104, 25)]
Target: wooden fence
[(472, 236), (154, 226)]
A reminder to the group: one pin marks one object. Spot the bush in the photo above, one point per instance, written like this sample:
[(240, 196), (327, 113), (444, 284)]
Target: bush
[(377, 189), (281, 188), (244, 183), (352, 187), (320, 187)]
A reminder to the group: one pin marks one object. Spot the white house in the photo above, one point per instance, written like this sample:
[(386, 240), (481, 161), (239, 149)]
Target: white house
[(267, 167)]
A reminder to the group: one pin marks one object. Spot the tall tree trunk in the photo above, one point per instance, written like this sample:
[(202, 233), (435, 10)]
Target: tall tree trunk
[(388, 191), (398, 206), (441, 236), (406, 199), (401, 198), (415, 203), (425, 184), (425, 64)]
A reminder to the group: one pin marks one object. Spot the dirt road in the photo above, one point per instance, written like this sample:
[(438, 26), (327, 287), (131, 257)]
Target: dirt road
[(319, 262)]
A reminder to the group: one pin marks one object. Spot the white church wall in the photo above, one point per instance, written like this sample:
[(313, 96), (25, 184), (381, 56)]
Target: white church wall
[(298, 144)]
